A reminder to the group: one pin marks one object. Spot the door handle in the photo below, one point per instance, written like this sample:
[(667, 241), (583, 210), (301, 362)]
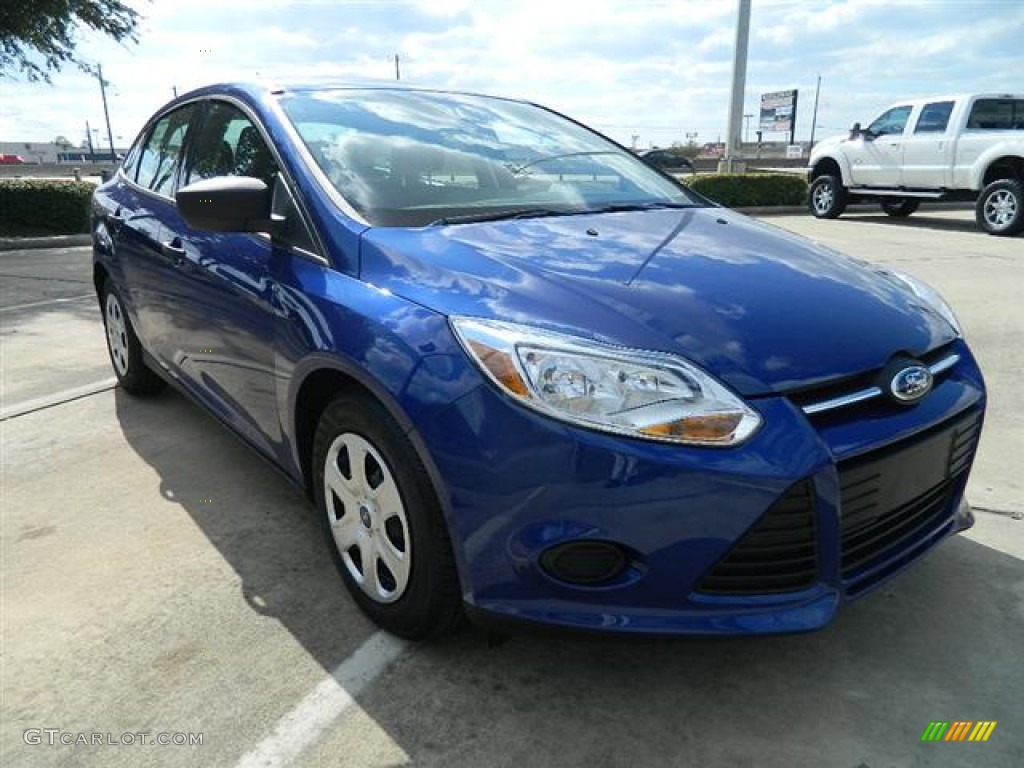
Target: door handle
[(174, 250)]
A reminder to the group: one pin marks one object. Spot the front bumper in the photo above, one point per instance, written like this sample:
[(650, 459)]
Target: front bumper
[(711, 536)]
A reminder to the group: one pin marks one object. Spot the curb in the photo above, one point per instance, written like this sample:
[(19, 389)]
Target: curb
[(50, 241)]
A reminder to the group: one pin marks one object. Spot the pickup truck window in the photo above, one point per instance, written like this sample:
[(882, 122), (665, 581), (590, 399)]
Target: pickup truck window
[(891, 121), (996, 115), (934, 117)]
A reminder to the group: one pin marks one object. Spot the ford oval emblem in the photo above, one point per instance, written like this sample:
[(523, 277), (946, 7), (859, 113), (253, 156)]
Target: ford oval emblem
[(910, 384)]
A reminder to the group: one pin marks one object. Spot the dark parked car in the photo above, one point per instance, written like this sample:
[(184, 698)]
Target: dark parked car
[(521, 374), (668, 161)]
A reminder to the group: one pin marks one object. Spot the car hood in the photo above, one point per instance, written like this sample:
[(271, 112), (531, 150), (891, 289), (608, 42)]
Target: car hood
[(764, 310)]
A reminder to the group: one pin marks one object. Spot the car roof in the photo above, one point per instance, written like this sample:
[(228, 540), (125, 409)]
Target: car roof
[(257, 88)]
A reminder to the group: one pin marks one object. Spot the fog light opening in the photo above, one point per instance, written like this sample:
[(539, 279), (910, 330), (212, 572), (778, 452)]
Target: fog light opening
[(584, 563)]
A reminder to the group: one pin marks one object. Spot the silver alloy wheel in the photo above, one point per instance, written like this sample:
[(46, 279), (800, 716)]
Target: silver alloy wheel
[(117, 334), (367, 517), (1000, 209), (822, 198)]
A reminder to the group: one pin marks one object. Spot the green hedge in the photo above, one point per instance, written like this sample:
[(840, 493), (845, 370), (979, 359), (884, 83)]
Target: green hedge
[(735, 190), (44, 206)]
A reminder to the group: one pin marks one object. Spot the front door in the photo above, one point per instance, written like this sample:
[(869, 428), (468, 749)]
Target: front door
[(229, 321), (876, 157)]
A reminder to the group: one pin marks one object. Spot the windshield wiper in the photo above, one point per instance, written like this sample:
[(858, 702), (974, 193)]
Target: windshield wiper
[(517, 213), (536, 213), (651, 206)]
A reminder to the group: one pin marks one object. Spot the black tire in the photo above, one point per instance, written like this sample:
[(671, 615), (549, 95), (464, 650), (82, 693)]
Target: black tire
[(1000, 208), (426, 601), (900, 208), (827, 197), (123, 346)]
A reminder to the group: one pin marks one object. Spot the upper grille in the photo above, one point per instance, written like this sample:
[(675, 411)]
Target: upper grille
[(892, 499), (778, 554), (856, 389)]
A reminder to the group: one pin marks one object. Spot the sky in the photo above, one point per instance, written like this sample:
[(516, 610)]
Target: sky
[(657, 71)]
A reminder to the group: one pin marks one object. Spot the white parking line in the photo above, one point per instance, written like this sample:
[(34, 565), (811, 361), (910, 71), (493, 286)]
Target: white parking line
[(48, 301), (59, 398), (326, 703)]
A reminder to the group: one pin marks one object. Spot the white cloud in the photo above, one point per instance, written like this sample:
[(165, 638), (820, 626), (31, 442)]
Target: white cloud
[(656, 69)]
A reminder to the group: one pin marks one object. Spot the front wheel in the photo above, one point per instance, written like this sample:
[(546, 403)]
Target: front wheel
[(827, 197), (382, 520), (1000, 208), (900, 208)]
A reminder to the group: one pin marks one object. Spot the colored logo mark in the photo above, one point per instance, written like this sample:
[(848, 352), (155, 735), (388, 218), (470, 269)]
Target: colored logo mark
[(959, 730)]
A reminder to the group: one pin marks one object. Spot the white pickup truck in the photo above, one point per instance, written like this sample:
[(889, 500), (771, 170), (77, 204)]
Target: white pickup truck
[(966, 148)]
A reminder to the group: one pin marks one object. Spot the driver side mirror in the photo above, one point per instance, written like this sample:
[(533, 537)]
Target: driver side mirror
[(855, 130), (228, 204)]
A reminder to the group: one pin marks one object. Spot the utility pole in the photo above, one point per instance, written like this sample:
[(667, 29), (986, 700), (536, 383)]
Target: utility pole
[(733, 160), (106, 113), (398, 71), (814, 119), (88, 138)]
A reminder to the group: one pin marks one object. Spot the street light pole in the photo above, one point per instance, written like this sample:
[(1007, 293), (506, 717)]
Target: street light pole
[(106, 113), (733, 160), (814, 118)]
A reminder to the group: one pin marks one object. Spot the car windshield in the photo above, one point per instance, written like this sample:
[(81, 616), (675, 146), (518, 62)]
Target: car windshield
[(415, 158)]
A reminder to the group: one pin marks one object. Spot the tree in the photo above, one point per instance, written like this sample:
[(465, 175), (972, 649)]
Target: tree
[(62, 143), (37, 37)]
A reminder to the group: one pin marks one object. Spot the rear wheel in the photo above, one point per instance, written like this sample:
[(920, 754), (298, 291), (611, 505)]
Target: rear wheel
[(827, 197), (123, 345), (382, 520), (1000, 208), (900, 208)]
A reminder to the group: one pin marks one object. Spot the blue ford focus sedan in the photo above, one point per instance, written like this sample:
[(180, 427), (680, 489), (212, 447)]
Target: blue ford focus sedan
[(524, 376)]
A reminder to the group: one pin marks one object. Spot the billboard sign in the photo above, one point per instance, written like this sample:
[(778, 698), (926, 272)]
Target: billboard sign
[(778, 111)]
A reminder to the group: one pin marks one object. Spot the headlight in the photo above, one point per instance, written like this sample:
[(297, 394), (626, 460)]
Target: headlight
[(929, 296), (648, 395)]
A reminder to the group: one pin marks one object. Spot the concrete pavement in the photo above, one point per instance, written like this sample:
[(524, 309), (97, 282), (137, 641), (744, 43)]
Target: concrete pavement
[(159, 577)]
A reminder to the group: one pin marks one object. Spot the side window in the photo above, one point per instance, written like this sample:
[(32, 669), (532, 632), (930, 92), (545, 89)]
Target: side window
[(934, 117), (228, 144), (296, 233), (996, 115), (892, 121), (158, 162), (130, 166)]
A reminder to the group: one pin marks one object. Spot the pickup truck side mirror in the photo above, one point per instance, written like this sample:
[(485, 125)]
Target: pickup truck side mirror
[(855, 130)]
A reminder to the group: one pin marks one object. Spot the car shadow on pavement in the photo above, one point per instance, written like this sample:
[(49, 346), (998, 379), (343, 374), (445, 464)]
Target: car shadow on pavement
[(260, 524), (940, 642), (921, 221)]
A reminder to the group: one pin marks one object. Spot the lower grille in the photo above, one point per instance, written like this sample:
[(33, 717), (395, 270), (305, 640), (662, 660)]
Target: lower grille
[(778, 554), (891, 500)]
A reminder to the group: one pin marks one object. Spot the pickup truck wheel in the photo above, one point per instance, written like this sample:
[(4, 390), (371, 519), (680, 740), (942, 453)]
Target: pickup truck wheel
[(827, 198), (1000, 208), (900, 209)]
